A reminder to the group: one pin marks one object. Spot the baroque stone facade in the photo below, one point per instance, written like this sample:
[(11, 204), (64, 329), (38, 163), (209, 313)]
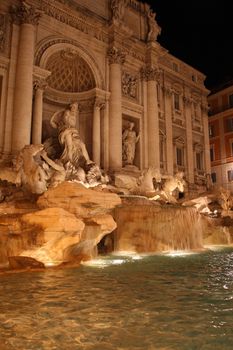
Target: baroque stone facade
[(53, 53), (221, 135)]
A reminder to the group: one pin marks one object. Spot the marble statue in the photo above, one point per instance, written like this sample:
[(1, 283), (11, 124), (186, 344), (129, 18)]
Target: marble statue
[(74, 150), (154, 29), (171, 184), (129, 140), (33, 168), (146, 180)]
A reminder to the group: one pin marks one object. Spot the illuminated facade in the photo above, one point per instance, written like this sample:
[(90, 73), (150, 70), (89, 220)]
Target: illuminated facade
[(221, 136), (104, 55)]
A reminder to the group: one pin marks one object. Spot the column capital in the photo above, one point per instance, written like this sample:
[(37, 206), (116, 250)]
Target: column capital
[(116, 55), (151, 73), (24, 13), (99, 103), (40, 84), (187, 101), (167, 91)]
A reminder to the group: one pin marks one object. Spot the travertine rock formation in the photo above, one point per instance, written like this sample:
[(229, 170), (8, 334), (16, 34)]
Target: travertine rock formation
[(79, 200)]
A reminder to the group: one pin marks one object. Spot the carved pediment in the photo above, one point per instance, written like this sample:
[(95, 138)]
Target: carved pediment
[(198, 147), (179, 141)]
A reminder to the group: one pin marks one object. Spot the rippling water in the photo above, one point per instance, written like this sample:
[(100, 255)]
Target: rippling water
[(156, 302)]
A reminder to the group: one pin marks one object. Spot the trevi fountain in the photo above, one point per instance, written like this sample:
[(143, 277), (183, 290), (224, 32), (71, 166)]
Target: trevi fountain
[(123, 260)]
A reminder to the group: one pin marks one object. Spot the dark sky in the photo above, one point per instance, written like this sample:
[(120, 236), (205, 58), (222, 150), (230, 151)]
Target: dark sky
[(199, 32)]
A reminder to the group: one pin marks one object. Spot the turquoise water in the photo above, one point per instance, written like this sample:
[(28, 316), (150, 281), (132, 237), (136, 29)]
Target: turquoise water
[(156, 302)]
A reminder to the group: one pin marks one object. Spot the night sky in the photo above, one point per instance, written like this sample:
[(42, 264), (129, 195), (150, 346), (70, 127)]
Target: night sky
[(199, 32)]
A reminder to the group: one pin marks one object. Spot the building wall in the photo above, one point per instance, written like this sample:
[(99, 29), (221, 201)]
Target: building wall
[(221, 136), (134, 79)]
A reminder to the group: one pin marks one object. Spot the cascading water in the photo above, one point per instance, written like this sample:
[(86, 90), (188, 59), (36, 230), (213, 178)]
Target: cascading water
[(148, 228)]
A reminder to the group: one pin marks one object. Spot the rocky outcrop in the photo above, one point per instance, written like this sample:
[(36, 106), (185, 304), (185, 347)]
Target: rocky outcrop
[(55, 230), (24, 262), (95, 229), (70, 223), (78, 200)]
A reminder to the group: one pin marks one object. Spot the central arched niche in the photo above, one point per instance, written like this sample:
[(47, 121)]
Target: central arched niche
[(71, 79), (69, 72)]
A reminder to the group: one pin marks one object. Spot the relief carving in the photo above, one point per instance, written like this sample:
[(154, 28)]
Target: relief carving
[(129, 85)]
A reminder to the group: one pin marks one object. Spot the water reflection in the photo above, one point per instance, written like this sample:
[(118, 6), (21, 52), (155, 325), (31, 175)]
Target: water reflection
[(148, 302)]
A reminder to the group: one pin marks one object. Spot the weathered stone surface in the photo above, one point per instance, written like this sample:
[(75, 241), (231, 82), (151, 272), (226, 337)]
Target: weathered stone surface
[(125, 181), (95, 229), (79, 200), (8, 174), (24, 262), (217, 231), (54, 230)]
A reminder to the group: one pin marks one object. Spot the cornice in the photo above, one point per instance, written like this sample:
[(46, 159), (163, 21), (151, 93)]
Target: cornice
[(77, 20)]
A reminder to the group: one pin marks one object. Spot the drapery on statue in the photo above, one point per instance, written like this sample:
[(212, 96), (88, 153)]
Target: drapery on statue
[(74, 150), (154, 28), (129, 140)]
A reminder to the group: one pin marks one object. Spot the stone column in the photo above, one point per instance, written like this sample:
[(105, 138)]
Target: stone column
[(116, 59), (169, 130), (150, 75), (106, 135), (145, 127), (96, 142), (189, 137), (27, 17), (39, 86), (206, 139)]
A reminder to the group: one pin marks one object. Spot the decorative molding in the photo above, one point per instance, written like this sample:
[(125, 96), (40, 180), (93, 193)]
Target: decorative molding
[(198, 147), (179, 141), (116, 55), (129, 85), (24, 13), (87, 105), (149, 73)]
